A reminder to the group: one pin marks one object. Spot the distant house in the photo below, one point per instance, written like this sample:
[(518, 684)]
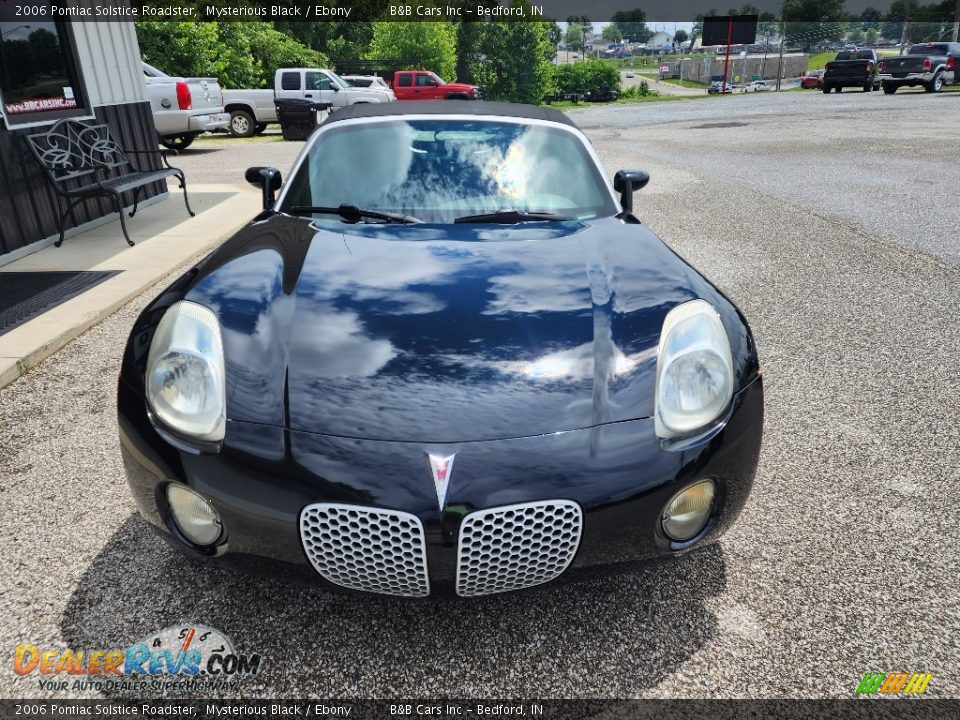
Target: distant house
[(597, 46), (659, 40)]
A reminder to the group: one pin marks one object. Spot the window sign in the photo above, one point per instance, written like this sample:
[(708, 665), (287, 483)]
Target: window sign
[(38, 70)]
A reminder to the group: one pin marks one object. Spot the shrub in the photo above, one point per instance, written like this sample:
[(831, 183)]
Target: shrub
[(595, 77)]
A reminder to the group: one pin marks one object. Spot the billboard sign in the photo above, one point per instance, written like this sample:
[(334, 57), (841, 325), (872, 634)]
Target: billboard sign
[(717, 29)]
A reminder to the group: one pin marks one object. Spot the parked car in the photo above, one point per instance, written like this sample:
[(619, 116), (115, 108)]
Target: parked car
[(629, 74), (183, 108), (715, 88), (931, 65), (759, 86), (462, 366), (813, 79), (252, 110), (852, 68), (426, 85), (368, 81)]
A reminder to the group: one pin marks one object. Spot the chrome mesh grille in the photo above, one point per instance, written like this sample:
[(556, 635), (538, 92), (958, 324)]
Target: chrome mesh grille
[(516, 546), (381, 551)]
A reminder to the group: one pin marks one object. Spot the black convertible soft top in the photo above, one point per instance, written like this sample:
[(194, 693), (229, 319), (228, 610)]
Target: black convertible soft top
[(480, 108)]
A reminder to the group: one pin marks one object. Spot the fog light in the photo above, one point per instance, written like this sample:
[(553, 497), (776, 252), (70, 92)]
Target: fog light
[(688, 511), (195, 517)]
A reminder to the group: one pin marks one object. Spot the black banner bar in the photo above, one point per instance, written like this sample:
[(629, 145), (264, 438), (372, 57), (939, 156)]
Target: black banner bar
[(431, 10)]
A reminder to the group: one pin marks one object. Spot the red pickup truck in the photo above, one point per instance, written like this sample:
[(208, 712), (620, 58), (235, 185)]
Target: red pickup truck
[(426, 85)]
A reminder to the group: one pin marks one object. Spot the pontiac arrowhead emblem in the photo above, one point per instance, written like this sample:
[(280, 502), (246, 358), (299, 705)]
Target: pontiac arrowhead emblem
[(441, 468)]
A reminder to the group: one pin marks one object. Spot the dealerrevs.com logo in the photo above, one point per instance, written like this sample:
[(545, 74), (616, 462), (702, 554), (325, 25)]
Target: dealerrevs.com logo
[(878, 683), (178, 658)]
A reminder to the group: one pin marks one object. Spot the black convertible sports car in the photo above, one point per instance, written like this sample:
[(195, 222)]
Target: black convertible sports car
[(447, 357)]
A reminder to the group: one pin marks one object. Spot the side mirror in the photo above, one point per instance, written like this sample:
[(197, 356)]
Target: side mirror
[(627, 182), (268, 179), (432, 83), (335, 88)]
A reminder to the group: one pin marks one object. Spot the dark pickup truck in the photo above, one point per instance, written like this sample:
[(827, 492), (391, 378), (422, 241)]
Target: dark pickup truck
[(932, 65), (852, 68)]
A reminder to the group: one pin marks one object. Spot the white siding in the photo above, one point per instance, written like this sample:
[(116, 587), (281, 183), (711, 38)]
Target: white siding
[(110, 61)]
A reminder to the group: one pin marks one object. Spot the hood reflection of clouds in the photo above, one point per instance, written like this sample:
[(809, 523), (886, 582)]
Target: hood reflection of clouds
[(538, 345), (334, 344), (574, 364)]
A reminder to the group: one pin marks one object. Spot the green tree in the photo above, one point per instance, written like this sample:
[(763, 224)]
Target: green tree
[(612, 33), (272, 50), (594, 76), (583, 21), (871, 36), (632, 24), (518, 60), (680, 36), (239, 55), (181, 48), (573, 38), (417, 45), (556, 33), (469, 37), (856, 36)]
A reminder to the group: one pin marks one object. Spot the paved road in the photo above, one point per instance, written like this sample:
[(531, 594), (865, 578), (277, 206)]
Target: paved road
[(845, 560)]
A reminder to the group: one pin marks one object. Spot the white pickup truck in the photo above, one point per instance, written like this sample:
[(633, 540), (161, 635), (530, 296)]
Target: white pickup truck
[(252, 110), (184, 108)]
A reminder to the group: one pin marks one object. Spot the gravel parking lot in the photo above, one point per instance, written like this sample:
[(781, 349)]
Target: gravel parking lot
[(832, 222)]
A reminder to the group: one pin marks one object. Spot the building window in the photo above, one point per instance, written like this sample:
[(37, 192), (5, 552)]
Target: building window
[(39, 76)]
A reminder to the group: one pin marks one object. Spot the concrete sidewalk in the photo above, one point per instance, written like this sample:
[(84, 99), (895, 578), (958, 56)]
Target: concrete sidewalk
[(166, 238)]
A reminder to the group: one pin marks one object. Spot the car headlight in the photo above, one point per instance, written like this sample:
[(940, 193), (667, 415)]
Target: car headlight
[(185, 374), (694, 369)]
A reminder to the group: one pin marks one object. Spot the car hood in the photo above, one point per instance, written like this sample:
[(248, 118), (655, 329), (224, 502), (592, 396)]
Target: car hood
[(458, 86), (354, 93), (439, 334)]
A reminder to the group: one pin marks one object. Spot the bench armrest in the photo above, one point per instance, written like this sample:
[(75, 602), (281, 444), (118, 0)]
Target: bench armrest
[(162, 153)]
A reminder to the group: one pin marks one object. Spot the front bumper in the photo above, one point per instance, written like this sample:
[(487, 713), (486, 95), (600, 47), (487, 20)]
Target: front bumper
[(621, 476), (209, 122)]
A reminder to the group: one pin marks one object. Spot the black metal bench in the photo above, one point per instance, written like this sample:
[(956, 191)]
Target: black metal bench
[(84, 161)]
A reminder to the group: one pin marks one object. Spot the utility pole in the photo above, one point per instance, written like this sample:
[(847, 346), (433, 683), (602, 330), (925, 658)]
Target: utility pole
[(766, 47), (783, 39), (726, 61), (903, 34)]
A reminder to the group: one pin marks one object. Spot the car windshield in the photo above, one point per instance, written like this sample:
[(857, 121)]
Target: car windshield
[(439, 170)]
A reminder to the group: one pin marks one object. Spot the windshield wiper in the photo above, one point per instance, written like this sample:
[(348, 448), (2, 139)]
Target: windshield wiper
[(511, 216), (351, 213)]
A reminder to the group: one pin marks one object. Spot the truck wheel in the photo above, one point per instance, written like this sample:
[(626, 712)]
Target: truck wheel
[(935, 85), (260, 128), (177, 142), (868, 87), (889, 88), (839, 88), (827, 89), (242, 124)]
